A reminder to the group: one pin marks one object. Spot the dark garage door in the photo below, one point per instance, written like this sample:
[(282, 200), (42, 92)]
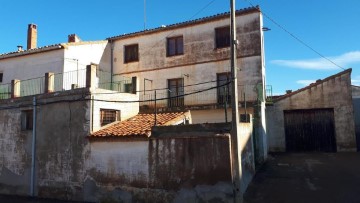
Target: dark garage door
[(310, 130)]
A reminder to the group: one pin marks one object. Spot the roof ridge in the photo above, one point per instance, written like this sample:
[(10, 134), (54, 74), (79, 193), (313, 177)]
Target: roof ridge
[(30, 50), (184, 23), (135, 125), (318, 82)]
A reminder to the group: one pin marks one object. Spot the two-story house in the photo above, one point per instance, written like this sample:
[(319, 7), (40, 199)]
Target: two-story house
[(186, 66)]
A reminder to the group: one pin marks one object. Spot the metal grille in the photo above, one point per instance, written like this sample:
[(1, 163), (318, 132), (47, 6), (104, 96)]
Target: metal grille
[(5, 91), (176, 90), (108, 116)]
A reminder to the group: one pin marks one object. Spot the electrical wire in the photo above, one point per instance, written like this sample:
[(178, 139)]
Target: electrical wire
[(295, 37), (165, 88), (84, 98), (193, 16)]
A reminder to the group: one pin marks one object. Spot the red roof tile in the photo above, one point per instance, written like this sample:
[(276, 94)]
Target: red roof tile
[(139, 125)]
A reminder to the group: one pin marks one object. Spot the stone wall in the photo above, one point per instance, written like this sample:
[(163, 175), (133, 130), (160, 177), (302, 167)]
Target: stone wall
[(178, 164), (332, 92)]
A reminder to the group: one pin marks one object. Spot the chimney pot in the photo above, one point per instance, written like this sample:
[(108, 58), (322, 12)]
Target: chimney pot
[(20, 48), (32, 36)]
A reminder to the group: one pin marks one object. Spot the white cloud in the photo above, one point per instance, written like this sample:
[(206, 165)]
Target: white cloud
[(344, 60), (305, 82), (355, 80)]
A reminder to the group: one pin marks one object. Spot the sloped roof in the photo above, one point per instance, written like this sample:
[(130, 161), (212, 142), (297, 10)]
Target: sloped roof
[(47, 48), (186, 23), (313, 84), (31, 51), (139, 125)]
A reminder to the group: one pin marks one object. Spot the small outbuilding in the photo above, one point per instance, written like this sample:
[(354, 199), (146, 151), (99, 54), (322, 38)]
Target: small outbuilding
[(319, 117)]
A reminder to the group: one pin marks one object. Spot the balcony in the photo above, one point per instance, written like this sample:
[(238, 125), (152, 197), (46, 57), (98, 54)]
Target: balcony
[(205, 96)]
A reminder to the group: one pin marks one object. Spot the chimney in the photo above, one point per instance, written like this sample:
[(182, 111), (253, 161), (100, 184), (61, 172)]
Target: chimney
[(32, 36), (73, 38), (20, 48), (288, 91)]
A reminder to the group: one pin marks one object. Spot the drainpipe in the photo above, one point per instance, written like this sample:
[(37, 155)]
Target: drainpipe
[(111, 63), (226, 101), (92, 114), (155, 110), (33, 151)]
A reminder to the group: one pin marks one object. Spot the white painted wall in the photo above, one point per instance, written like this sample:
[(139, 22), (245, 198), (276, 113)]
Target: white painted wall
[(120, 159), (32, 66), (78, 55), (127, 109), (200, 62), (75, 56)]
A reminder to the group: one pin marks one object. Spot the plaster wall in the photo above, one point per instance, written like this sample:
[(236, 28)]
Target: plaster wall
[(32, 66), (170, 167), (78, 55), (356, 106), (332, 93), (200, 62), (106, 99), (62, 123), (15, 154)]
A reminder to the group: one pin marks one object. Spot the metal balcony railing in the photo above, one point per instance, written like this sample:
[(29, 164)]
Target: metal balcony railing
[(5, 91)]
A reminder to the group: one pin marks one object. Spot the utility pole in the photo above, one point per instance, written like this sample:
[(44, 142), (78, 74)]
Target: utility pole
[(144, 15), (235, 151)]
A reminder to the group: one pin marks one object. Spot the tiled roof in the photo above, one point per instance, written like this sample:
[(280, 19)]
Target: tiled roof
[(139, 125), (31, 51), (186, 23), (47, 48)]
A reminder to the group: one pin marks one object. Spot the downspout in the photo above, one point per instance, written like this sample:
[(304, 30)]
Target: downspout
[(92, 114), (111, 63), (33, 151)]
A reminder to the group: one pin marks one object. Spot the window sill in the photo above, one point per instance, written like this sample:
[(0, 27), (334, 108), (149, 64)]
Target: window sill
[(176, 55), (130, 62), (221, 48)]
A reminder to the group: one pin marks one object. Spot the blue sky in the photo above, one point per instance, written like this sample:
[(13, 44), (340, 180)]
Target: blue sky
[(330, 27)]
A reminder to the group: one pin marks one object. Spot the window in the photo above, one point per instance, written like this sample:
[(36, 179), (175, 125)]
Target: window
[(27, 120), (108, 116), (222, 37), (175, 46), (1, 77), (176, 90), (224, 91), (131, 53), (245, 118), (128, 87)]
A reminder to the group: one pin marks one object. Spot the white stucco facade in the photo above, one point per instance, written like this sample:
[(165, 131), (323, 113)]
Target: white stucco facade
[(60, 58)]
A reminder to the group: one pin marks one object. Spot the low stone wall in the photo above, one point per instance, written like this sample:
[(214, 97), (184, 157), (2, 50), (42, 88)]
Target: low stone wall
[(178, 164)]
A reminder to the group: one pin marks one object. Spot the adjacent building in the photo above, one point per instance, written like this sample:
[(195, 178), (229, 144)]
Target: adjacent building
[(188, 64), (97, 118), (319, 117)]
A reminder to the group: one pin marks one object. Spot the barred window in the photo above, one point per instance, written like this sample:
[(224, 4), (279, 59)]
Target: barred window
[(108, 116), (224, 88), (176, 92)]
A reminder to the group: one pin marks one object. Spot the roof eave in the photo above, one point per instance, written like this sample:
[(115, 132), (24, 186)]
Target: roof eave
[(313, 85), (31, 51), (186, 23)]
